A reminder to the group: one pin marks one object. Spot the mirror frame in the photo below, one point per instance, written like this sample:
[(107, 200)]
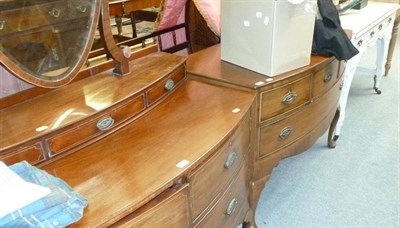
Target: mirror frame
[(17, 71)]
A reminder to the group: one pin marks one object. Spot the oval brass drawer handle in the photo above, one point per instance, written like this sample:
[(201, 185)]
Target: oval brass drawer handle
[(285, 133), (55, 12), (169, 85), (105, 123), (289, 98), (231, 206), (328, 77), (81, 8), (230, 160), (2, 24)]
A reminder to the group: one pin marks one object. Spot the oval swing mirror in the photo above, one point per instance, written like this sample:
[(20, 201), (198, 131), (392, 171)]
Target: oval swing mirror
[(46, 42)]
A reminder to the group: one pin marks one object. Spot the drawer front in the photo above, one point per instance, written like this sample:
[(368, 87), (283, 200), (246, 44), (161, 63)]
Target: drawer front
[(32, 154), (374, 33), (362, 41), (169, 209), (231, 208), (286, 131), (211, 179), (35, 16), (31, 17), (285, 98), (325, 78), (96, 126), (163, 87)]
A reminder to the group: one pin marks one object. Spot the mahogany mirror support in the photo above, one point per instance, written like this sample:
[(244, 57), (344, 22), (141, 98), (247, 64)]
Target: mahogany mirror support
[(121, 62)]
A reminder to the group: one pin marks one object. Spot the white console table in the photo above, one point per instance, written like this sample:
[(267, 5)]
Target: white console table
[(371, 25)]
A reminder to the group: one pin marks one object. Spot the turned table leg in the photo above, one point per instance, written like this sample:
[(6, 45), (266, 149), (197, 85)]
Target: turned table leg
[(392, 43)]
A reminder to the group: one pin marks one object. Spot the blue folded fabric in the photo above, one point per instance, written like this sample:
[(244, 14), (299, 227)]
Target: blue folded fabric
[(62, 207)]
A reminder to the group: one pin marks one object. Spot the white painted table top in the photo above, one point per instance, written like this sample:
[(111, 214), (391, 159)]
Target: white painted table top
[(360, 21)]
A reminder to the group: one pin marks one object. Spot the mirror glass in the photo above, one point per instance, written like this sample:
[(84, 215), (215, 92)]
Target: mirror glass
[(45, 42)]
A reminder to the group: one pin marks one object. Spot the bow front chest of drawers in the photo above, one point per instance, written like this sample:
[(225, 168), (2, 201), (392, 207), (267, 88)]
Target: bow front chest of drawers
[(176, 143), (291, 110)]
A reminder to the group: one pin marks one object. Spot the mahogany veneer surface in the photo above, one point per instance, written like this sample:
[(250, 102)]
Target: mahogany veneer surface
[(125, 170), (133, 171), (207, 63), (292, 110), (80, 100)]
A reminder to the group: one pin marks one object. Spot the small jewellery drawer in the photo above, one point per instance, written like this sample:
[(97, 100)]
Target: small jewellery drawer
[(212, 178), (285, 98), (169, 209), (325, 78), (88, 130), (32, 154), (231, 208), (164, 86)]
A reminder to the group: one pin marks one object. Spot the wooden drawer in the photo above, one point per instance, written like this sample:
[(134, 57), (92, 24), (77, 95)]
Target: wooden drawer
[(325, 78), (169, 209), (32, 154), (286, 131), (232, 207), (213, 177), (285, 98), (374, 33), (31, 17), (163, 87), (88, 130)]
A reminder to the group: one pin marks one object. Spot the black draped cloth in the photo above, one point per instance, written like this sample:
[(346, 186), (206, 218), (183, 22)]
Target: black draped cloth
[(329, 37)]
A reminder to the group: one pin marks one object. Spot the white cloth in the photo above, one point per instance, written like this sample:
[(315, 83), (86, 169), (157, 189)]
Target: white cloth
[(16, 193)]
